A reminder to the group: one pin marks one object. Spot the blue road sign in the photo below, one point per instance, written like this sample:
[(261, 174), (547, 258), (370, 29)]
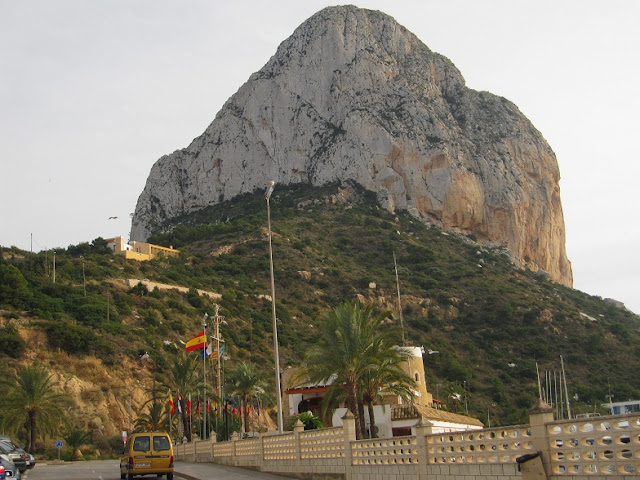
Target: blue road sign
[(59, 444)]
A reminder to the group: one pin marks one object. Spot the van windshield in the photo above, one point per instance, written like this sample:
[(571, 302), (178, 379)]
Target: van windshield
[(161, 443)]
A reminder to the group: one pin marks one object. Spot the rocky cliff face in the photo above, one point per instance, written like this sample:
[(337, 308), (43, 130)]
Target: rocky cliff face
[(354, 95)]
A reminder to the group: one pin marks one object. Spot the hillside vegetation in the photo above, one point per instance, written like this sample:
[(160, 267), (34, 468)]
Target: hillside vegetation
[(489, 321)]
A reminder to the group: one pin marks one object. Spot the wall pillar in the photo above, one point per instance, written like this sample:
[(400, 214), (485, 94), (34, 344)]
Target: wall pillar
[(423, 428), (234, 439), (261, 440), (298, 428), (349, 429), (212, 440), (539, 416)]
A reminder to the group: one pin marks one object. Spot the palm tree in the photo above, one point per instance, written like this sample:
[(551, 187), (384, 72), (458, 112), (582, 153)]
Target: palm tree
[(347, 349), (246, 382), (75, 438), (155, 420), (183, 377), (32, 399), (386, 377)]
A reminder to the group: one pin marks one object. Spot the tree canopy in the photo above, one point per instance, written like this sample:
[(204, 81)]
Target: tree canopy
[(246, 382), (350, 349), (14, 287), (32, 399)]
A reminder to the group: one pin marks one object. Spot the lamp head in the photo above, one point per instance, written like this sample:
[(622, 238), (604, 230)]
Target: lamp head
[(269, 191)]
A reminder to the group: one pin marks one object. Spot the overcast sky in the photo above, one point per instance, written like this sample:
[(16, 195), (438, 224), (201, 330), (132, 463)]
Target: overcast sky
[(92, 93)]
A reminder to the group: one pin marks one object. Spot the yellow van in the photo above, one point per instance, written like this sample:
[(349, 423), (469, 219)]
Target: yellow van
[(147, 453)]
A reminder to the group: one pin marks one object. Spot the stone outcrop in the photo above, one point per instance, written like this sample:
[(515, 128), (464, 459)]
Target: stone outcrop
[(353, 95)]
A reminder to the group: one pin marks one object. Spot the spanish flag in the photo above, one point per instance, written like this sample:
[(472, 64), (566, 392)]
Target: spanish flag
[(197, 342)]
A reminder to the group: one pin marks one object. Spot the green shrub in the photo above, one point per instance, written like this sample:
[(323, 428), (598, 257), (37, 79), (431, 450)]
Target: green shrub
[(76, 339), (139, 289), (11, 343), (177, 326), (13, 286), (150, 316), (310, 421), (194, 298)]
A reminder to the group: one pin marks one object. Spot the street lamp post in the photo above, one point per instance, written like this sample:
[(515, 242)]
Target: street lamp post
[(267, 196), (204, 377)]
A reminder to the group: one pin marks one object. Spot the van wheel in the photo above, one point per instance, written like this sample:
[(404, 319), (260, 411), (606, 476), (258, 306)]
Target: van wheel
[(169, 476), (123, 476), (130, 477)]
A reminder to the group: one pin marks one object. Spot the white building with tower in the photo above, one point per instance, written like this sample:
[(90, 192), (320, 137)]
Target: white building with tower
[(393, 418)]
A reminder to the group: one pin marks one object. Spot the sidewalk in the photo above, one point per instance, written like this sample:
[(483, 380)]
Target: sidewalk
[(210, 471)]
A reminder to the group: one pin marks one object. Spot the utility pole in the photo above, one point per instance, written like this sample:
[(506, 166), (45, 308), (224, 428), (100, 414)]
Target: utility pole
[(395, 265), (204, 375), (217, 319)]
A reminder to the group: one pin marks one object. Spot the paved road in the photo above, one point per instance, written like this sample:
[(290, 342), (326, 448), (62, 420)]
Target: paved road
[(207, 471), (102, 470), (109, 470)]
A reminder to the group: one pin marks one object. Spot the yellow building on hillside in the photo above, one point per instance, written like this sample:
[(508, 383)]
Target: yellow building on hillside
[(140, 251)]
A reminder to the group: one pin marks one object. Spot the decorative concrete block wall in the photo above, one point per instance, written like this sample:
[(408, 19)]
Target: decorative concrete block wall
[(594, 448)]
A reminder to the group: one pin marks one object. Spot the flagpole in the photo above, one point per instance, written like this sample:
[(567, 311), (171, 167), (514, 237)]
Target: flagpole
[(539, 385), (217, 320), (198, 408), (204, 374), (170, 422), (566, 391)]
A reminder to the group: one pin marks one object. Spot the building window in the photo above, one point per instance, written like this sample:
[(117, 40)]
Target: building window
[(400, 431), (416, 376)]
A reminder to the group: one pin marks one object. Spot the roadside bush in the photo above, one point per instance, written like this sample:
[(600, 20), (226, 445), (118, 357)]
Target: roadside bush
[(107, 446)]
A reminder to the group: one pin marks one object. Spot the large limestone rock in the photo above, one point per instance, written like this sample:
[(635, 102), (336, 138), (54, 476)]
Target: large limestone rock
[(354, 95)]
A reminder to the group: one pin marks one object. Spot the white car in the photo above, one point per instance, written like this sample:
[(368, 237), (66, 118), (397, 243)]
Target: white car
[(10, 469)]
